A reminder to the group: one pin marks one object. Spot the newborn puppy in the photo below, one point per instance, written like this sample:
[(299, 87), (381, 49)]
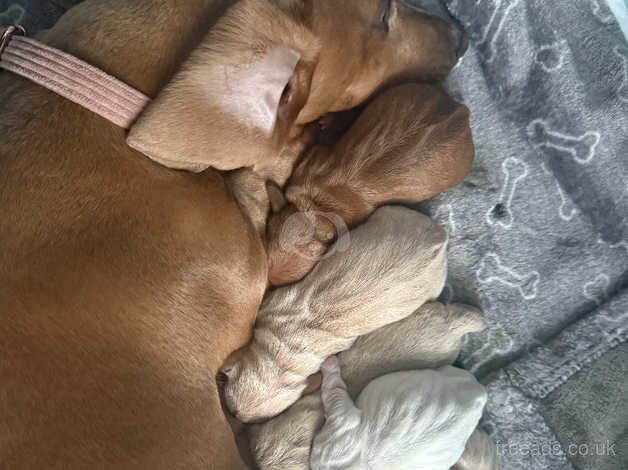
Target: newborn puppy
[(414, 420), (390, 266), (428, 339), (410, 143)]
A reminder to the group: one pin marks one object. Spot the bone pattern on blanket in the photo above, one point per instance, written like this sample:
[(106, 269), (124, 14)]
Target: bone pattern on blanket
[(394, 264), (428, 339)]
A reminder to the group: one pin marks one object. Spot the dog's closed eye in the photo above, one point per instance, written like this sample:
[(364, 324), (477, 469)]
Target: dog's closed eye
[(383, 16)]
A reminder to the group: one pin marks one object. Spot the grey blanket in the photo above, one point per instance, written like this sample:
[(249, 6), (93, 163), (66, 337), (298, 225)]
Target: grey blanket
[(539, 230), (539, 234)]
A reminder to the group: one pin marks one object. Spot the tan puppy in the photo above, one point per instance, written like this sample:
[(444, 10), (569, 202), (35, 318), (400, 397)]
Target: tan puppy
[(125, 285), (410, 143), (392, 265), (428, 339)]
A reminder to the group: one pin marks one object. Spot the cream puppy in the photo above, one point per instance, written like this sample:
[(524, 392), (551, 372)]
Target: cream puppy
[(285, 442), (409, 144), (414, 420), (428, 339), (390, 266)]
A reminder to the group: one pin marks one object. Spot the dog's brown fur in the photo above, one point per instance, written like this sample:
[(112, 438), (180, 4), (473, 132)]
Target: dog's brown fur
[(115, 310), (410, 143), (329, 76), (125, 285)]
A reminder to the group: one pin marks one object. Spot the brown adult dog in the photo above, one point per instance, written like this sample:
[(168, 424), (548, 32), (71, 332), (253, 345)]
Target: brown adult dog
[(272, 67), (410, 143), (124, 285)]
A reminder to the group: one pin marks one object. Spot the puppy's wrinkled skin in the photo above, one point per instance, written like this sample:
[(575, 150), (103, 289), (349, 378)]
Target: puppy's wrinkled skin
[(410, 143), (125, 285), (270, 67), (428, 339), (413, 420), (392, 264), (285, 442)]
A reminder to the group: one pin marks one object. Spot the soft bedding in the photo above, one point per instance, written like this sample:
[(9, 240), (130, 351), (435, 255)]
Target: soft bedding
[(539, 231)]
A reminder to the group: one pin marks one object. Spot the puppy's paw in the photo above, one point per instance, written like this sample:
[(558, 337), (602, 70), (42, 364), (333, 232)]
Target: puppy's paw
[(330, 366)]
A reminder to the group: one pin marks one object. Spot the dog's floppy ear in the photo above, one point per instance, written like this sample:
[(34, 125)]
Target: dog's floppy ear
[(221, 109)]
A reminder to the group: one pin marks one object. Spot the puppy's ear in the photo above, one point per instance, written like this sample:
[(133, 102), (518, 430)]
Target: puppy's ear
[(276, 197), (222, 110)]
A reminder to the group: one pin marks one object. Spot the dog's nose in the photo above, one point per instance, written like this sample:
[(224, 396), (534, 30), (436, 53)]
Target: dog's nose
[(463, 45), (436, 9), (460, 41), (430, 7)]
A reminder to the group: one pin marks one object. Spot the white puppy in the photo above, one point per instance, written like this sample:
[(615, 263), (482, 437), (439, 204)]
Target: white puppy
[(428, 339), (393, 264), (414, 420)]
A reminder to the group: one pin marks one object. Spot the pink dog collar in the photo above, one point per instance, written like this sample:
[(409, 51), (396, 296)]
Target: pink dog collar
[(70, 77)]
